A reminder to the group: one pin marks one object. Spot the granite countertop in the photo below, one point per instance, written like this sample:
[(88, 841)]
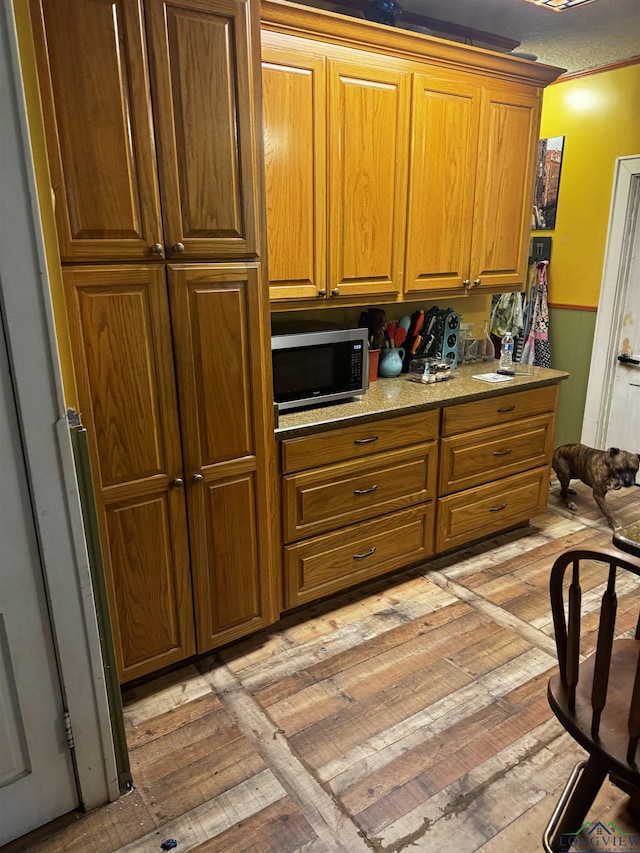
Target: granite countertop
[(389, 397)]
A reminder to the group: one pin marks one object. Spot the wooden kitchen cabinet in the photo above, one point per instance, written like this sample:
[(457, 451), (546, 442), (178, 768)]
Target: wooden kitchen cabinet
[(336, 136), (495, 458), (471, 174), (430, 152), (224, 398), (121, 343), (131, 90), (357, 502), (204, 79), (442, 183), (295, 142), (94, 87), (151, 116), (368, 110)]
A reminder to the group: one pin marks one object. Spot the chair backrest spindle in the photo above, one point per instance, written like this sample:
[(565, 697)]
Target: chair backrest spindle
[(573, 645), (567, 634), (606, 630)]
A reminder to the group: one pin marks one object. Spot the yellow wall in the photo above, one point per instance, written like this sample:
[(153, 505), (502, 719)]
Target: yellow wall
[(43, 181), (598, 115)]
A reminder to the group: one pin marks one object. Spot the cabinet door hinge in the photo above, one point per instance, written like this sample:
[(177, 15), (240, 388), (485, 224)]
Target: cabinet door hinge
[(68, 732)]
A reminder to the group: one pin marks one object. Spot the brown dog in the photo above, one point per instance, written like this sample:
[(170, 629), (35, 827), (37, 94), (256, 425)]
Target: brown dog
[(600, 469)]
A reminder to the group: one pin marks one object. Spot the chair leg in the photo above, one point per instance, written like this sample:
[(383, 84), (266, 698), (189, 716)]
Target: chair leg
[(576, 800)]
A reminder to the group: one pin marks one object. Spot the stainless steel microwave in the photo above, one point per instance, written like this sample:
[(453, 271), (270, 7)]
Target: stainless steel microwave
[(310, 368)]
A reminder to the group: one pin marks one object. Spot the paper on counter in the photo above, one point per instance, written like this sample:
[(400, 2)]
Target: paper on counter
[(492, 377)]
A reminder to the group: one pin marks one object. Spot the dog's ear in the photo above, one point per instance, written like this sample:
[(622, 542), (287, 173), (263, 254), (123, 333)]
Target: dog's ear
[(613, 451)]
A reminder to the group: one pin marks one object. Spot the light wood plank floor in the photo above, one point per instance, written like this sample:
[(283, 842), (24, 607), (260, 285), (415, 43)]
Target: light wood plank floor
[(410, 714)]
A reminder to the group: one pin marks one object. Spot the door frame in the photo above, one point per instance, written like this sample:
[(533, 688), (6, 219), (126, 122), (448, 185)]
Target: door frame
[(625, 206), (35, 369)]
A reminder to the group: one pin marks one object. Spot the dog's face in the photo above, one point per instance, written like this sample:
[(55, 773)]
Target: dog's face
[(623, 467)]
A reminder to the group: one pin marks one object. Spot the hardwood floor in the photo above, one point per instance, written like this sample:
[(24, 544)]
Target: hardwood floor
[(410, 714)]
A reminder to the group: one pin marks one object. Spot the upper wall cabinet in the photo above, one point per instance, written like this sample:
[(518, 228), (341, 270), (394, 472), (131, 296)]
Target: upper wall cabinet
[(397, 165), (132, 182), (368, 140), (294, 125), (336, 138), (471, 171)]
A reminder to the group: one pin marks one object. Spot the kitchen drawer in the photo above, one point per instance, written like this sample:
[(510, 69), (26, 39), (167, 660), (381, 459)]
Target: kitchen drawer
[(484, 510), (334, 561), (355, 442), (498, 410), (473, 458), (327, 498)]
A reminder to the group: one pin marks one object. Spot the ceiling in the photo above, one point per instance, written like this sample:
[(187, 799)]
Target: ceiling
[(583, 37)]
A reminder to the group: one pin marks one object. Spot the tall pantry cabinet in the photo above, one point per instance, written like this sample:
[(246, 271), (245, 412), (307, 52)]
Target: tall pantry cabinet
[(151, 111)]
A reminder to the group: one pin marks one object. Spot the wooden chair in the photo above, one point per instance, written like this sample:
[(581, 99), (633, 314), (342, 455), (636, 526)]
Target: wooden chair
[(596, 700)]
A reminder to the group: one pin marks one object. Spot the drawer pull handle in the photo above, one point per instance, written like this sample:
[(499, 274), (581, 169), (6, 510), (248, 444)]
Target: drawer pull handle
[(366, 440), (497, 508), (365, 491), (506, 409), (502, 452), (362, 556)]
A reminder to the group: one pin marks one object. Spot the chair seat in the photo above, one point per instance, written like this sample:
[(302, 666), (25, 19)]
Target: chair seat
[(613, 737)]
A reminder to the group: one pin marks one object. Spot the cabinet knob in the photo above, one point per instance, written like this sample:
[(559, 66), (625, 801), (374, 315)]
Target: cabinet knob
[(178, 483), (322, 291), (466, 282), (198, 478), (477, 282), (157, 248), (335, 291), (178, 247)]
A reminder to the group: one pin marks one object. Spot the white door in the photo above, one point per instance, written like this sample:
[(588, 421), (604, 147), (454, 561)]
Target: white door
[(37, 781), (623, 429), (612, 409)]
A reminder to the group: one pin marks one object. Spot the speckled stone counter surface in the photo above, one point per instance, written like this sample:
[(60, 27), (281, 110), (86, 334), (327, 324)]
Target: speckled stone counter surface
[(628, 539), (389, 397)]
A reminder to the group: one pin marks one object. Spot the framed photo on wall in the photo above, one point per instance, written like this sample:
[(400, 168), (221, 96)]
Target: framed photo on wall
[(545, 199)]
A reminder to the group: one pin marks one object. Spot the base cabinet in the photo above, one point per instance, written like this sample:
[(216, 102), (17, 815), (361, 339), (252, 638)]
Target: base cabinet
[(369, 490), (180, 469), (495, 458), (358, 501)]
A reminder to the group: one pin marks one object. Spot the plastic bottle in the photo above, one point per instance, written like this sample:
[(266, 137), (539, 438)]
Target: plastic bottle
[(506, 352)]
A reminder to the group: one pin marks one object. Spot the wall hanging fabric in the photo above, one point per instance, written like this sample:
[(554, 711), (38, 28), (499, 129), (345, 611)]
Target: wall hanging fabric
[(537, 349)]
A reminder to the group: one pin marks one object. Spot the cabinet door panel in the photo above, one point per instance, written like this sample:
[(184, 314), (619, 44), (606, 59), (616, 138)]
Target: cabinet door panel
[(227, 579), (95, 95), (504, 197), (222, 388), (120, 333), (294, 127), (441, 183), (368, 150), (201, 63), (150, 602), (121, 345), (212, 331)]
